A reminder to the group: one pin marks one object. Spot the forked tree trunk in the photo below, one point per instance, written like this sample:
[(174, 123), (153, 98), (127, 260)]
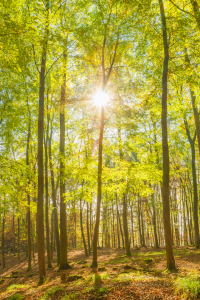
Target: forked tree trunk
[(165, 188)]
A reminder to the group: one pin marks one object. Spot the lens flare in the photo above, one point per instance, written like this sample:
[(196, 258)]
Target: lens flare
[(101, 99)]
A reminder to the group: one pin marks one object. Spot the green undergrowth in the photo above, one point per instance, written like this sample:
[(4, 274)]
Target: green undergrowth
[(16, 287), (51, 292), (16, 297), (117, 261), (188, 287)]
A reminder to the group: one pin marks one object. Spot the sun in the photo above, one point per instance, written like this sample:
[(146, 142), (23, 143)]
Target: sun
[(101, 99)]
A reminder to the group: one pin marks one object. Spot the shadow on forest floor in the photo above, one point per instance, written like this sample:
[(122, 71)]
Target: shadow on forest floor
[(141, 276)]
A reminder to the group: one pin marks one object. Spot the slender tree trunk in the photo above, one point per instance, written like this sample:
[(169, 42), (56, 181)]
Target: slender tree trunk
[(54, 203), (88, 230), (82, 231), (74, 210), (154, 222), (139, 223), (63, 216), (195, 206), (165, 188), (3, 243), (47, 194), (113, 224), (13, 232), (120, 226), (143, 239), (18, 239), (118, 233), (132, 231), (96, 230), (52, 228), (127, 244), (28, 194)]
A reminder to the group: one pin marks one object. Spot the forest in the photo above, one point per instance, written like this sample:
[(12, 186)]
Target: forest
[(99, 149)]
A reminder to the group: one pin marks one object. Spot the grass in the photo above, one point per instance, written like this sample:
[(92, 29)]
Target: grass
[(16, 287), (51, 292), (148, 260), (16, 297), (188, 286), (117, 261)]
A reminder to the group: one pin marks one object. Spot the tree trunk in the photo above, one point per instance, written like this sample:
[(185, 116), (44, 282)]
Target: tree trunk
[(165, 188), (52, 227), (54, 202), (18, 238), (120, 226), (195, 206), (125, 223), (96, 229), (63, 216), (118, 233), (154, 222), (132, 231), (3, 243), (88, 230), (143, 239), (82, 232), (47, 194), (28, 194), (13, 232), (113, 224), (139, 223)]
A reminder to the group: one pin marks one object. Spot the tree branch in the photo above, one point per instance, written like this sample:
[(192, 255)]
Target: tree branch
[(187, 12)]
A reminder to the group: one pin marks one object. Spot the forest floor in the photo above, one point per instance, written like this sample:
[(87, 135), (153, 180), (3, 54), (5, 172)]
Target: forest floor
[(141, 276)]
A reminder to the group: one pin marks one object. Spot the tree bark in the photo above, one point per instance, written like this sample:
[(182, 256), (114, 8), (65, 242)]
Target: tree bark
[(55, 219), (127, 244), (82, 231), (120, 226), (18, 239), (28, 194), (3, 243), (195, 207), (165, 188), (88, 230), (96, 229), (47, 194), (13, 231), (40, 212), (63, 216)]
